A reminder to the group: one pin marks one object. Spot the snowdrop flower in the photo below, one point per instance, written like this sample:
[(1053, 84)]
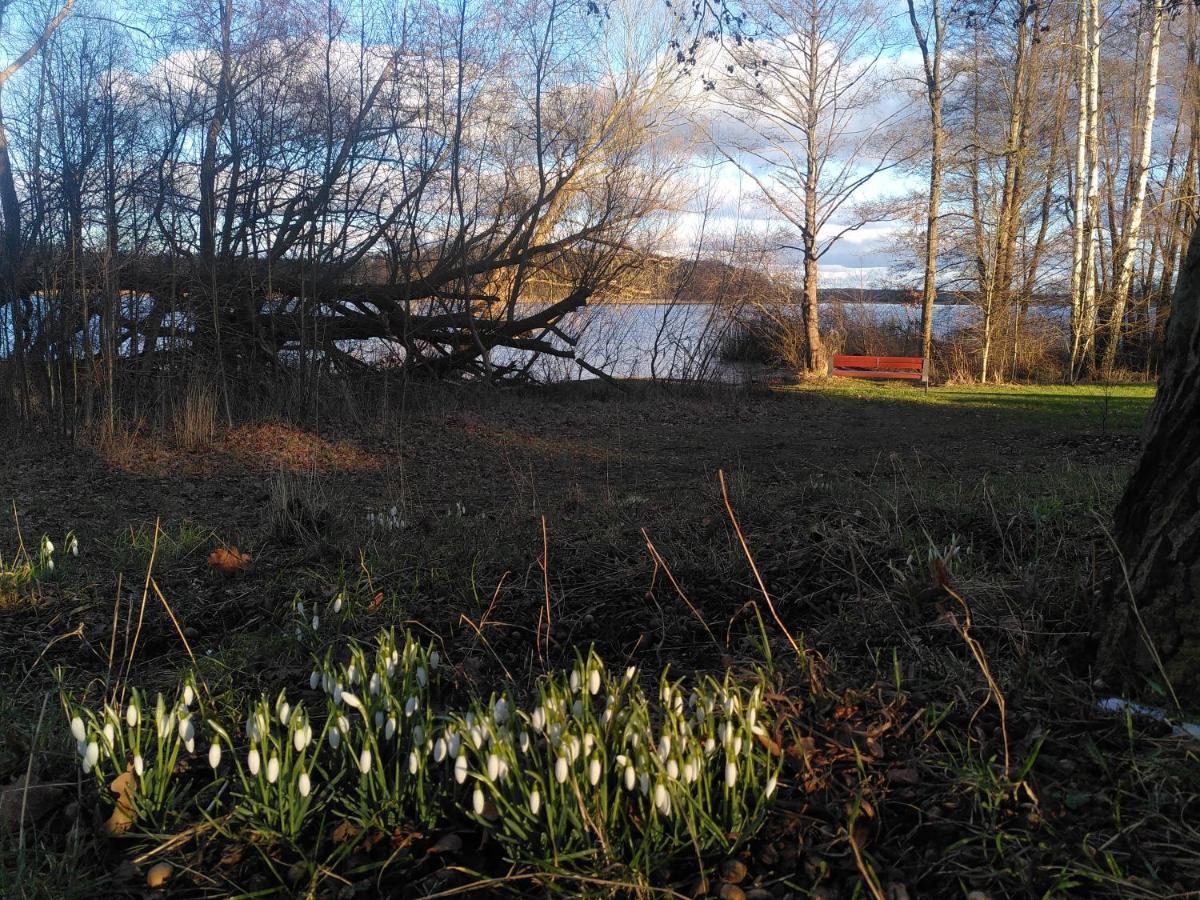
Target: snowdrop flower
[(139, 765), (535, 801), (272, 770), (644, 783), (630, 777), (538, 719), (375, 684), (710, 747), (435, 659), (352, 700), (364, 761), (73, 545), (253, 761), (343, 725), (630, 673), (300, 739), (304, 784), (454, 743), (422, 676), (460, 769), (737, 744), (390, 728), (77, 730), (316, 622), (689, 771), (47, 545), (560, 769), (414, 762), (411, 705), (574, 681), (337, 604), (337, 694), (186, 730), (91, 754), (378, 719), (672, 769), (477, 801), (523, 741), (594, 771), (50, 565), (214, 754), (589, 741), (300, 608), (188, 695), (439, 749), (110, 735), (334, 737), (577, 709), (662, 800), (772, 783), (493, 766), (285, 712), (731, 774), (132, 716), (500, 711), (664, 746), (352, 674)]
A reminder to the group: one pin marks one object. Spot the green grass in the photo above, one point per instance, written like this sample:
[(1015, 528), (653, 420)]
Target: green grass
[(1089, 407)]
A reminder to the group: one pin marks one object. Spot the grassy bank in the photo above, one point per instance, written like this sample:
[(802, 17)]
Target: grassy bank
[(938, 561)]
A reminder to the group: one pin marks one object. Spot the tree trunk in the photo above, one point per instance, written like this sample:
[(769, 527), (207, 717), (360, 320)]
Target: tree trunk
[(1155, 633)]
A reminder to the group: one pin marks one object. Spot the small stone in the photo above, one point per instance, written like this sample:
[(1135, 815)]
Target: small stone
[(767, 855), (699, 887), (158, 875), (731, 892), (733, 871)]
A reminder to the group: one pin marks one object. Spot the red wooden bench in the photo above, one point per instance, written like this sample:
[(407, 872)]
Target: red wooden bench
[(909, 368)]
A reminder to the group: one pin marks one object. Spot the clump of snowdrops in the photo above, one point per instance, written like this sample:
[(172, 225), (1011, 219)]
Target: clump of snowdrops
[(591, 770)]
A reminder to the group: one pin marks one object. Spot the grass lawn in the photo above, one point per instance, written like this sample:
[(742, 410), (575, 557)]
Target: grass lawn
[(533, 524), (1116, 408)]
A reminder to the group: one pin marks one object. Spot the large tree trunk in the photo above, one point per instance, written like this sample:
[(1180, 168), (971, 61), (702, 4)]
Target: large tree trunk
[(1155, 633)]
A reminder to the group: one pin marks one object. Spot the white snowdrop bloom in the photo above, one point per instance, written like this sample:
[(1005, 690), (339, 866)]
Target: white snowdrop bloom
[(439, 749), (737, 744), (272, 770), (300, 739), (422, 676), (535, 801), (644, 783), (389, 729), (577, 709), (574, 681), (454, 744), (343, 725), (132, 716), (414, 762), (664, 746), (723, 732), (376, 684), (77, 730), (411, 705), (91, 754), (503, 769), (689, 771), (630, 778), (190, 744), (772, 783), (214, 754), (188, 695), (470, 718), (337, 604), (300, 609), (460, 769), (731, 774), (751, 717), (253, 761), (672, 769), (607, 717), (186, 729), (523, 741), (594, 771), (285, 712), (500, 711), (710, 746), (477, 801), (334, 737), (435, 659), (304, 784), (589, 742), (560, 769), (50, 565), (594, 682), (700, 714), (732, 705), (677, 703), (73, 545), (139, 765), (351, 700), (493, 767), (327, 683), (337, 694), (662, 800), (47, 545), (538, 719), (378, 720), (316, 622), (476, 737), (664, 694), (110, 734), (364, 761)]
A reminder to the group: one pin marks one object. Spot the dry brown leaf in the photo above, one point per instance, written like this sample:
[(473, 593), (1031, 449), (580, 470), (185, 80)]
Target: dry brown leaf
[(229, 561), (122, 817)]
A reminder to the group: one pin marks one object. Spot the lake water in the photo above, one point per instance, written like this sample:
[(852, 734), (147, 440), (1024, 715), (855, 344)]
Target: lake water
[(647, 340)]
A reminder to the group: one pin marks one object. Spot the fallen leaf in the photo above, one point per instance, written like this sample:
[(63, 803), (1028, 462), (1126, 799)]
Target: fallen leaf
[(122, 817), (228, 562), (376, 602)]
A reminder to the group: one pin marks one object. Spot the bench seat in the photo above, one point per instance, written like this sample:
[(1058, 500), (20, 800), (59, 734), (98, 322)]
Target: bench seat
[(908, 368)]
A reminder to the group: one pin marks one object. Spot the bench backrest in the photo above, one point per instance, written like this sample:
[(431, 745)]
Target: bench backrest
[(879, 363)]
